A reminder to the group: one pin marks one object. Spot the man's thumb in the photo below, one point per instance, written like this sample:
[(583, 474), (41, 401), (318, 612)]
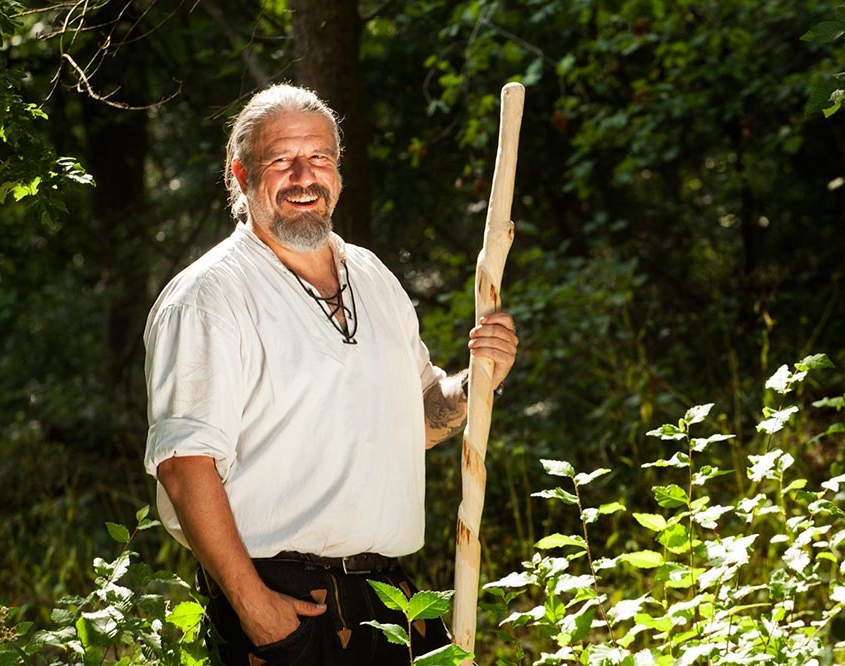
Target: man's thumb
[(309, 609)]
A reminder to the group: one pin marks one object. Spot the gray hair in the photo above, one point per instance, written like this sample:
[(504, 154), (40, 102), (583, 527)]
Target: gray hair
[(275, 100)]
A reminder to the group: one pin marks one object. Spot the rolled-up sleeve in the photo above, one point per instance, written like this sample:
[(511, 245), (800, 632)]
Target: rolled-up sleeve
[(194, 387)]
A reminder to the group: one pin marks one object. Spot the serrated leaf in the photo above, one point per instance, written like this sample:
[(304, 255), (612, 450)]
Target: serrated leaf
[(118, 533), (428, 604), (651, 521), (390, 596), (671, 496), (558, 494), (700, 444), (560, 540), (448, 655), (675, 539), (815, 361), (186, 615), (697, 414), (667, 431), (642, 559), (610, 508), (679, 460), (392, 632), (583, 479), (558, 468)]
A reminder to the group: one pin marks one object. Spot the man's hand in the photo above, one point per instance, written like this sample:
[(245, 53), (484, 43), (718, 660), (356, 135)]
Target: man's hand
[(445, 403), (495, 338), (274, 616)]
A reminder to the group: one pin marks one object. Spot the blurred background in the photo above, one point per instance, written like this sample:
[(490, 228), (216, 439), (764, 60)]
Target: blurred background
[(678, 211)]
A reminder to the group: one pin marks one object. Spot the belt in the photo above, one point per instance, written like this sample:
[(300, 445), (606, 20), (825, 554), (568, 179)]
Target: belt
[(362, 563)]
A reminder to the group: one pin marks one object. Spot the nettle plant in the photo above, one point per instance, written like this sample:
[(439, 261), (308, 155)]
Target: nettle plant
[(755, 581), (124, 620)]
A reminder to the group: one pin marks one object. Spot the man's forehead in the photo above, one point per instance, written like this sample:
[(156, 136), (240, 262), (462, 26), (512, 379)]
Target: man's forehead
[(293, 127)]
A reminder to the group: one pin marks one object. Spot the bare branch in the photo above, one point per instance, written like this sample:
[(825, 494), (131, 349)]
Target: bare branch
[(83, 85)]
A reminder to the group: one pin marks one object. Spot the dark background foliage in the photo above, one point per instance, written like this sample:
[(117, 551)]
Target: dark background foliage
[(678, 222)]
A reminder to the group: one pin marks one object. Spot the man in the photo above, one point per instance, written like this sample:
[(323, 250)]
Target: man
[(290, 404)]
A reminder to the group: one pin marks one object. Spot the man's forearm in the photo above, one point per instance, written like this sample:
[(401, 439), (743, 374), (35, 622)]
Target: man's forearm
[(201, 504), (445, 409)]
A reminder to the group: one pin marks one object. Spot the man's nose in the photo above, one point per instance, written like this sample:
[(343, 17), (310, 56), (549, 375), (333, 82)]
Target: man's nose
[(302, 173)]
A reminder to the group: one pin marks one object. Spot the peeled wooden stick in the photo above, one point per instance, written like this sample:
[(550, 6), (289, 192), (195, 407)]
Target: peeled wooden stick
[(498, 237)]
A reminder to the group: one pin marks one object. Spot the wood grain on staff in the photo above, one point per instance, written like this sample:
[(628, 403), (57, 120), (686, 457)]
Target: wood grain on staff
[(498, 237)]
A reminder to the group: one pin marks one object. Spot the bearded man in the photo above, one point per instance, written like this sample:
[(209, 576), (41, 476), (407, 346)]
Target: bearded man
[(290, 403)]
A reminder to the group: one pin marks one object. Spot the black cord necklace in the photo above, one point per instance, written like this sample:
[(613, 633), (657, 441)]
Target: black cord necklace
[(331, 305)]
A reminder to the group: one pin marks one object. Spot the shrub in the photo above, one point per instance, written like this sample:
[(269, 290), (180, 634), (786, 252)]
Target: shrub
[(754, 580), (114, 623)]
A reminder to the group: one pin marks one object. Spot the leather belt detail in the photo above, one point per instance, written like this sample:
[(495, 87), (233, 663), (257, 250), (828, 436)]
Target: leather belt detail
[(363, 563)]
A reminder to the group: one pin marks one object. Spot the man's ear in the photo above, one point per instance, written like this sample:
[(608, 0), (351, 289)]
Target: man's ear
[(239, 171)]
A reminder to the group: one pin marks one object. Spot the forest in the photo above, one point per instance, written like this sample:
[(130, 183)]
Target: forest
[(677, 268)]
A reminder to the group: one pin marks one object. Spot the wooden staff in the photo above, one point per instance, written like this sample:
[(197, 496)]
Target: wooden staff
[(498, 237)]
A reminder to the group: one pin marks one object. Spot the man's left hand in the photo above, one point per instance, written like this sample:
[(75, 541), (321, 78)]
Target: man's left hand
[(495, 338)]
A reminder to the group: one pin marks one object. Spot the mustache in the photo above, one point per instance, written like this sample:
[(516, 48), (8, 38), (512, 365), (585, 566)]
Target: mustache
[(310, 191)]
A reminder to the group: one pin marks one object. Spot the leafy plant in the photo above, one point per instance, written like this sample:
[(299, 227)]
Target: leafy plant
[(113, 624), (424, 605), (750, 581), (826, 94)]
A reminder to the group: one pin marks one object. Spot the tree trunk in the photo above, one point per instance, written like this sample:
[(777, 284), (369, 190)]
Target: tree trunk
[(327, 39)]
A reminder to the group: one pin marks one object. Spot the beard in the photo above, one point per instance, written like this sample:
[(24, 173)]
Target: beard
[(302, 232)]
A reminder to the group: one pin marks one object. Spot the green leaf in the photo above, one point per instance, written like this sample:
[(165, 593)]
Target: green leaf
[(611, 507), (697, 414), (428, 605), (448, 655), (583, 479), (680, 460), (668, 431), (390, 596), (700, 444), (837, 402), (651, 521), (816, 361), (642, 559), (392, 632), (824, 32), (558, 494), (675, 539), (186, 615), (118, 532), (560, 540), (558, 468), (671, 496)]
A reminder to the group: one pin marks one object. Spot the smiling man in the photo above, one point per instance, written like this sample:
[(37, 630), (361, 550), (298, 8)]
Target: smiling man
[(290, 403)]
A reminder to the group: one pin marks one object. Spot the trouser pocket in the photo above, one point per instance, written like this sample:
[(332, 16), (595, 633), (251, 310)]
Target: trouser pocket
[(293, 650)]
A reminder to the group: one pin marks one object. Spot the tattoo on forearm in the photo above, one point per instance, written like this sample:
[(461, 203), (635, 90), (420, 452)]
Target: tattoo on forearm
[(445, 411)]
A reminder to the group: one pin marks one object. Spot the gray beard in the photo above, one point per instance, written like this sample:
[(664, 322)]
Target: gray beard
[(304, 233)]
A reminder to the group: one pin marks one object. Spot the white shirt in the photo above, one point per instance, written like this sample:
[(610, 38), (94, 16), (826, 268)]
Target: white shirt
[(320, 444)]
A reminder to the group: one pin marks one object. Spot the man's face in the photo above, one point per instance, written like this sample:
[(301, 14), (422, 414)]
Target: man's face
[(294, 184)]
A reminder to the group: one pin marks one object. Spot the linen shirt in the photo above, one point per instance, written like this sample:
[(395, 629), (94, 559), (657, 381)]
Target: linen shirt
[(320, 444)]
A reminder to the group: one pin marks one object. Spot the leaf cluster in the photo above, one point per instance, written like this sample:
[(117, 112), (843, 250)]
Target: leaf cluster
[(125, 619), (757, 579)]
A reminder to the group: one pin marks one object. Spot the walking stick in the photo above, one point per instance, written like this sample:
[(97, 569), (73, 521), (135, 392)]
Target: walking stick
[(498, 237)]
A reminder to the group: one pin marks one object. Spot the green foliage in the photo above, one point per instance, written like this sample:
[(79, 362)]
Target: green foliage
[(29, 170), (755, 579), (114, 623), (424, 605), (826, 94)]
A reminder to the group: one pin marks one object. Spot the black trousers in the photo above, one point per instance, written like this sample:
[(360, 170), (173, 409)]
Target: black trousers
[(335, 638)]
